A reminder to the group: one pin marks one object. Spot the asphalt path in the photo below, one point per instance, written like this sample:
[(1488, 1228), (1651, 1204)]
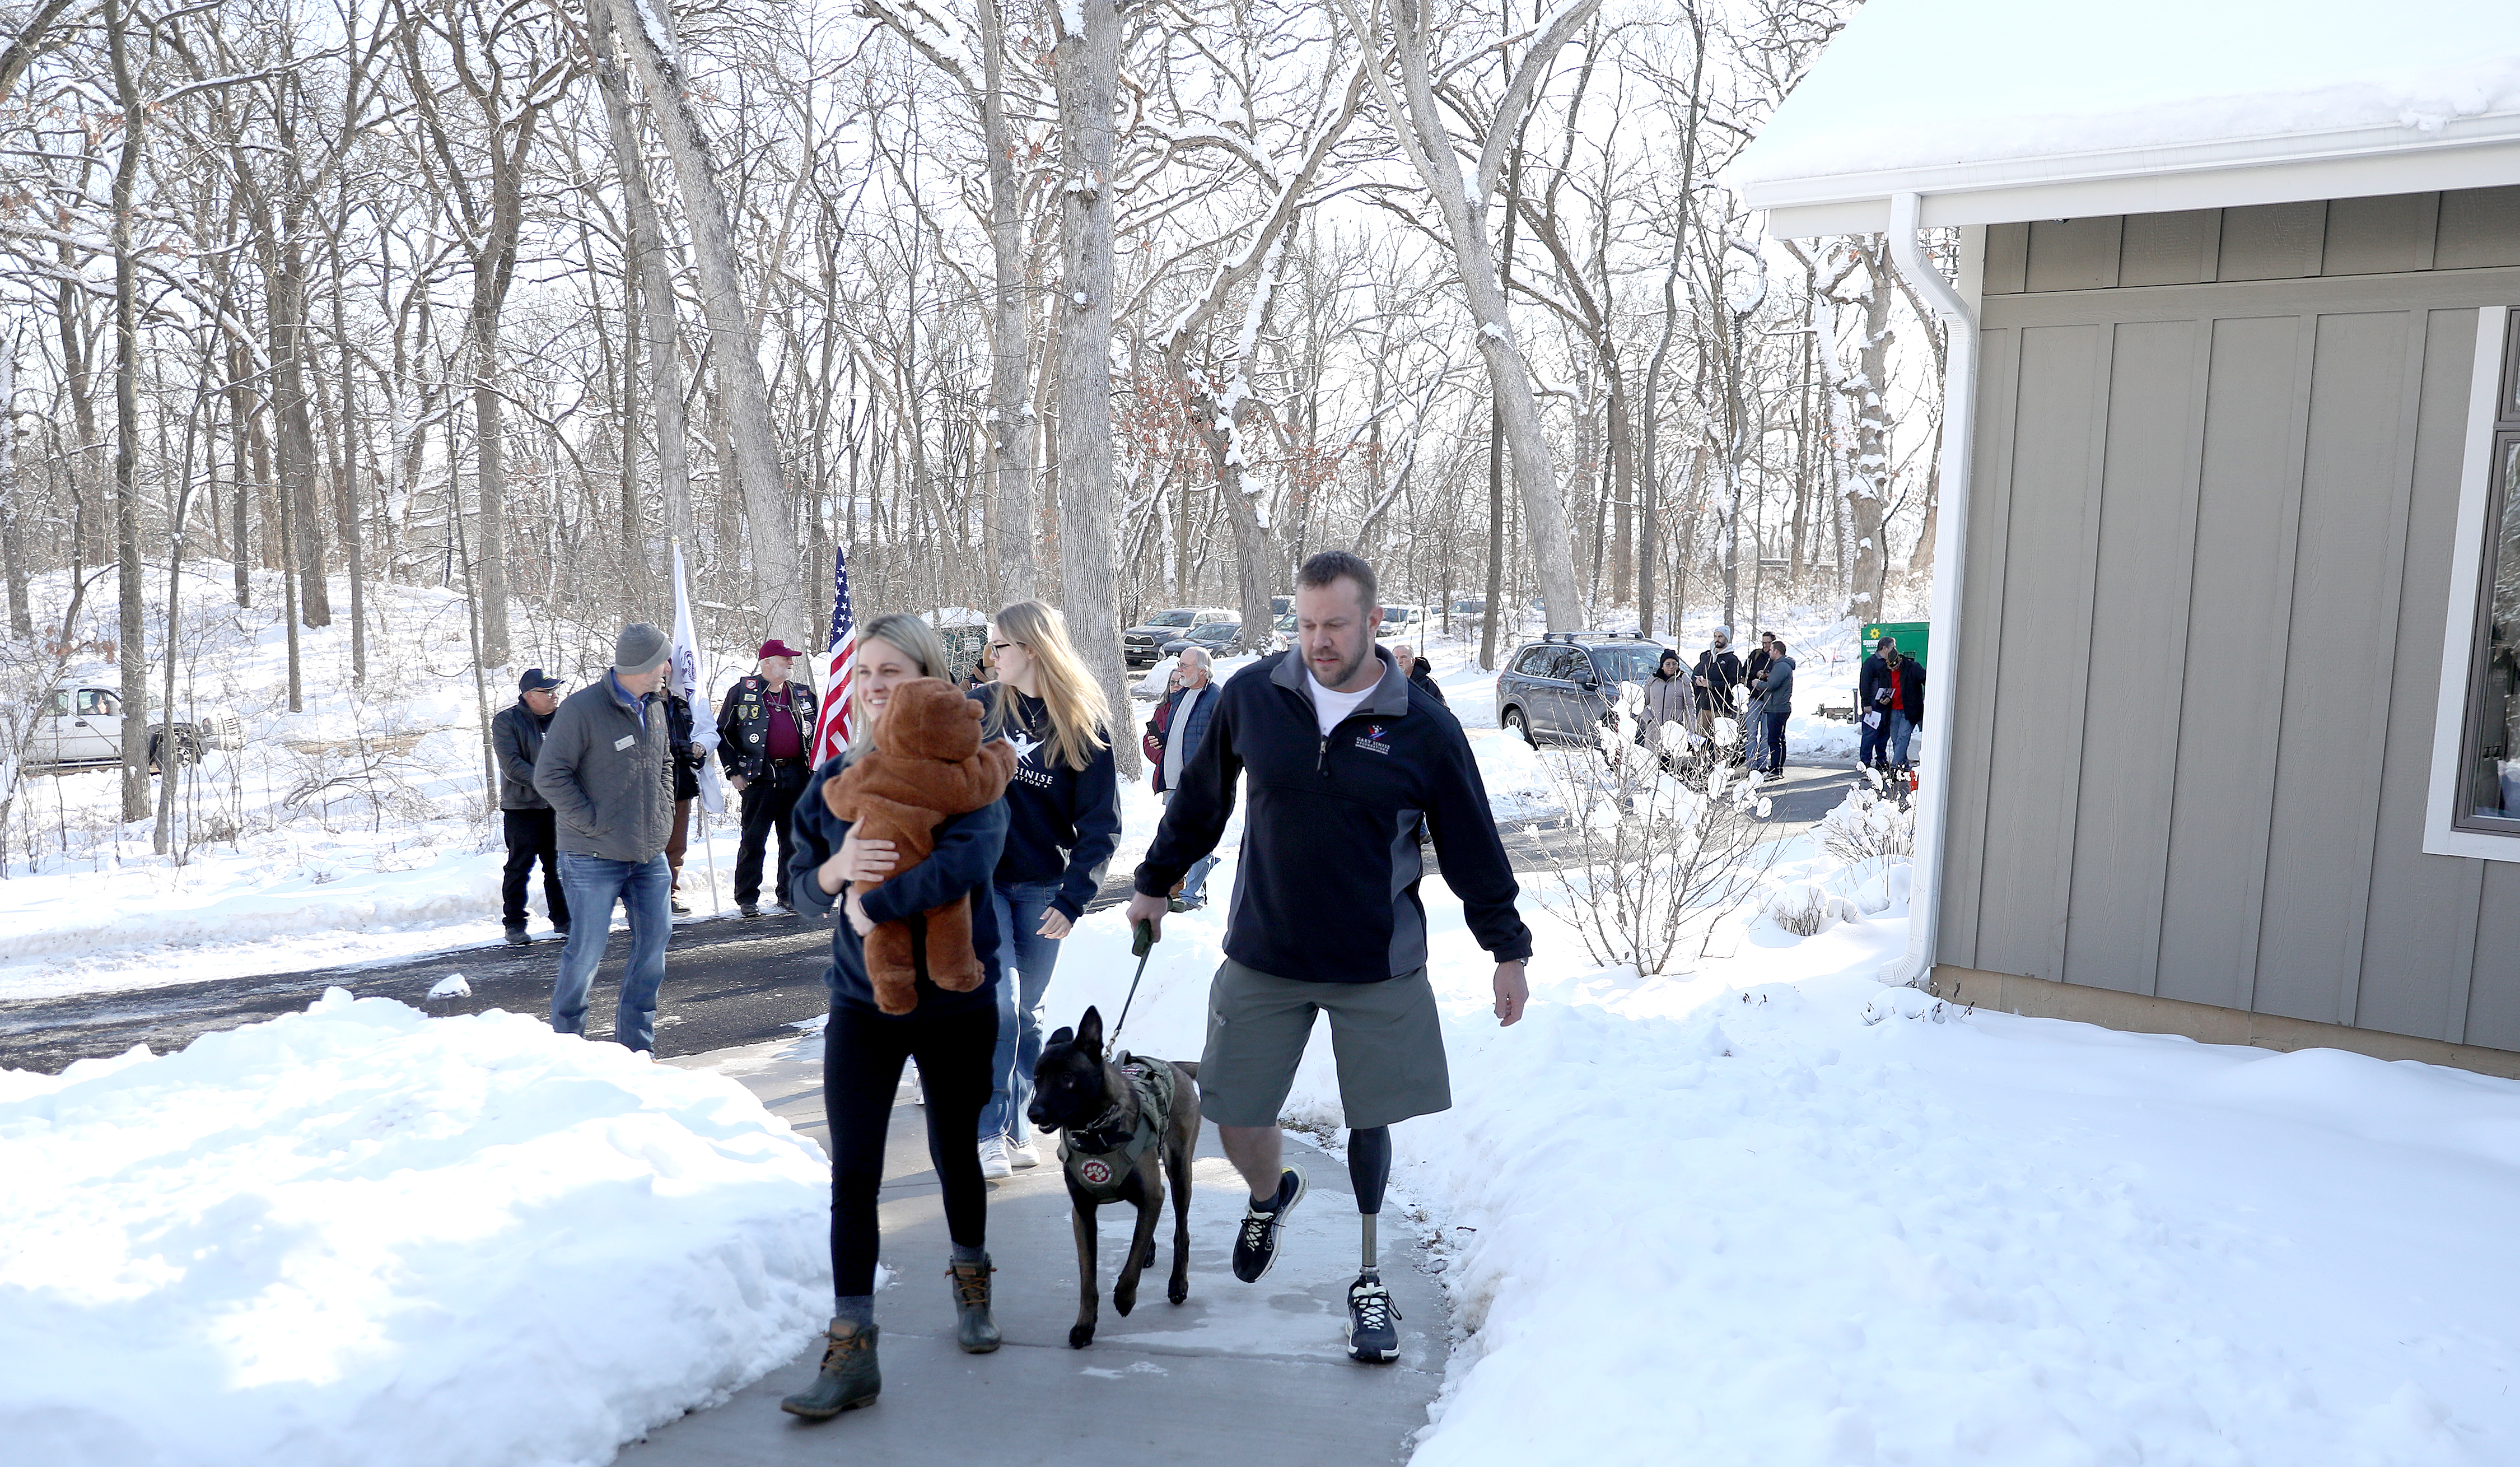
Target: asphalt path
[(729, 980)]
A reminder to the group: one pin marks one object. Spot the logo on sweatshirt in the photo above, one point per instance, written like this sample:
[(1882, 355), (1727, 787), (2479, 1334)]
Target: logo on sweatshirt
[(1372, 739)]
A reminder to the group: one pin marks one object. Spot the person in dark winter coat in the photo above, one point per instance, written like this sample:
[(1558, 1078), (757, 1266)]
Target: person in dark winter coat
[(1718, 673), (517, 737), (767, 729), (1754, 711), (1189, 709), (1063, 824), (688, 760), (1891, 692), (1774, 687), (607, 768), (1421, 672)]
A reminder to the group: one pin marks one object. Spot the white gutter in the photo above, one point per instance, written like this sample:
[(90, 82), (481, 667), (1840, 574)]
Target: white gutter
[(2476, 151), (1951, 541)]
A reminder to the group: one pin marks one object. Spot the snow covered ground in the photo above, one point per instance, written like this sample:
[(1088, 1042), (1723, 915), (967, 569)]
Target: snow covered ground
[(1768, 1211), (360, 1235)]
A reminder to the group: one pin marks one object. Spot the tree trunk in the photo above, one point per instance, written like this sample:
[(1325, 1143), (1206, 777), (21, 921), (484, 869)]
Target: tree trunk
[(1011, 426), (294, 433), (1868, 489), (133, 652), (345, 504), (1623, 485), (78, 375), (1087, 69), (776, 569), (13, 551), (239, 431), (1465, 218)]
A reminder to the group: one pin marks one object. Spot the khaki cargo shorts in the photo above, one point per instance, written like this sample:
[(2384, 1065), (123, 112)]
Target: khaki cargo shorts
[(1387, 1037)]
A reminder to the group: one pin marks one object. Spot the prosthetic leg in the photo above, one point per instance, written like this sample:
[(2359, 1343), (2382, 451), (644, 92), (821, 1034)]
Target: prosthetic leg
[(1370, 1312)]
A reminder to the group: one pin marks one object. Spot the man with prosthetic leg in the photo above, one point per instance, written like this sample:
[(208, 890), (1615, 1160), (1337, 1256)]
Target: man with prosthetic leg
[(1344, 760)]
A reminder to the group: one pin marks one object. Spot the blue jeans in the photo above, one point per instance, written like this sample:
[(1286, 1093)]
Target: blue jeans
[(1900, 729), (1025, 960), (594, 883), (1874, 737), (1754, 737), (1197, 876)]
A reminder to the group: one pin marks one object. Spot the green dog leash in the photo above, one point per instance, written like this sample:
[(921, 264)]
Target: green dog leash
[(1140, 946)]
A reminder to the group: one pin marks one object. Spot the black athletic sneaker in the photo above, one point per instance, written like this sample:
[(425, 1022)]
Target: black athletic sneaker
[(1371, 1335), (1256, 1242)]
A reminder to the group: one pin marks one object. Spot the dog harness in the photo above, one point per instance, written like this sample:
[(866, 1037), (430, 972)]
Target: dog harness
[(1099, 1157)]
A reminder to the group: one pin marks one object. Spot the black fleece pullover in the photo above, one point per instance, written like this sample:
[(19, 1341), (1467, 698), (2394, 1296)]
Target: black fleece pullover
[(1326, 891)]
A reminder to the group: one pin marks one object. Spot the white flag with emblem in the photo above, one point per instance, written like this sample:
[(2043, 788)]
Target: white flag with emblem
[(693, 686)]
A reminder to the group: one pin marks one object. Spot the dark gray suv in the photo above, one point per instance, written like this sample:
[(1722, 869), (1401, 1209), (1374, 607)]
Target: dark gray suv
[(1561, 688)]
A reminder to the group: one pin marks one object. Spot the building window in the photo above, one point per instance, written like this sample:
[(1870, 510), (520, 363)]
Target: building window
[(2488, 792)]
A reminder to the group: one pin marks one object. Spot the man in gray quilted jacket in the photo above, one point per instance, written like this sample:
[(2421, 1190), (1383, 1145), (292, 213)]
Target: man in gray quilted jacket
[(607, 768)]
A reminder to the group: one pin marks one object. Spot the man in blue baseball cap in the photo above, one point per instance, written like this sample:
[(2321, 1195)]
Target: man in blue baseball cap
[(516, 735)]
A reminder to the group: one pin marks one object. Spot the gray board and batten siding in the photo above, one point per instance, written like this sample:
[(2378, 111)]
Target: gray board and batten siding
[(2217, 467)]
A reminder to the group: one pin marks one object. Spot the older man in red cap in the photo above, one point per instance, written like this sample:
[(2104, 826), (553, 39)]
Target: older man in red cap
[(765, 728)]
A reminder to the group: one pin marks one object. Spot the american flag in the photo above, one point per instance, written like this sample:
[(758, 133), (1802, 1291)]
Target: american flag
[(837, 723)]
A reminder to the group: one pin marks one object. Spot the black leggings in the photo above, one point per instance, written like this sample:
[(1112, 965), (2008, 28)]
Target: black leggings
[(862, 1057)]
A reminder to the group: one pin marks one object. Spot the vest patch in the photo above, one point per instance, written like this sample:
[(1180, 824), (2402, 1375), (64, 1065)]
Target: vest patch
[(1095, 1172)]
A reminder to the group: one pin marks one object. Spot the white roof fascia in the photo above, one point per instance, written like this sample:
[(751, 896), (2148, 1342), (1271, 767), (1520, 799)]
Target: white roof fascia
[(2465, 152)]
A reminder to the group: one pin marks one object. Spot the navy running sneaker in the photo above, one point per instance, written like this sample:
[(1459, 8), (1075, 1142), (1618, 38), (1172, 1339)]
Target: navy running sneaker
[(1371, 1335), (1255, 1243)]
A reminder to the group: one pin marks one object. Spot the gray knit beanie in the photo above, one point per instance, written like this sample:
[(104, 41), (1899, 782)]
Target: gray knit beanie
[(639, 648)]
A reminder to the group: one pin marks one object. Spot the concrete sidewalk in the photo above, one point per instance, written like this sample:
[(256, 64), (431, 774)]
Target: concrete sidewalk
[(1254, 1373)]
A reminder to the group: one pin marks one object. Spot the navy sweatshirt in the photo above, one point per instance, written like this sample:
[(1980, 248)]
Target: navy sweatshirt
[(1063, 824), (966, 854), (1326, 891)]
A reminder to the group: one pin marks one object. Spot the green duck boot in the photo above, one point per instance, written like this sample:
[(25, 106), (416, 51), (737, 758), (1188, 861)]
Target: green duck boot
[(973, 1329), (850, 1378)]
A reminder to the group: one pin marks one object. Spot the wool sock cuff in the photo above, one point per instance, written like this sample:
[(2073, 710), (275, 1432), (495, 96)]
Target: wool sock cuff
[(970, 1252), (854, 1309)]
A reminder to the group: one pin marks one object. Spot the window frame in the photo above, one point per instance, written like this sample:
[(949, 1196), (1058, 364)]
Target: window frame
[(2451, 826)]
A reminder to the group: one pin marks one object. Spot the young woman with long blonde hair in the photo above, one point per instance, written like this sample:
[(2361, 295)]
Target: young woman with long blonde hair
[(953, 1037), (1063, 824)]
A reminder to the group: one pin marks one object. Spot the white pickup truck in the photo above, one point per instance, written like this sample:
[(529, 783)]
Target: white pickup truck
[(83, 724)]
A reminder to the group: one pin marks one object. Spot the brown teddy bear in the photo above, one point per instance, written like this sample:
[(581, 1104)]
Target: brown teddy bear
[(928, 763)]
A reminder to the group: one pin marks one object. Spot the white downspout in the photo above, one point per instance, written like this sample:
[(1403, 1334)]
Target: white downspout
[(1951, 541)]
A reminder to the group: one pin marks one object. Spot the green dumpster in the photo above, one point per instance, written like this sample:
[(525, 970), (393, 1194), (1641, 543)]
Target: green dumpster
[(1909, 635)]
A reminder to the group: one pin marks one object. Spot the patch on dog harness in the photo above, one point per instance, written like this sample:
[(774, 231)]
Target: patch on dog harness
[(1098, 1165)]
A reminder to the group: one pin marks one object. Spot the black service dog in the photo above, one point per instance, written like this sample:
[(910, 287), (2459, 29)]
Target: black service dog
[(1126, 1122)]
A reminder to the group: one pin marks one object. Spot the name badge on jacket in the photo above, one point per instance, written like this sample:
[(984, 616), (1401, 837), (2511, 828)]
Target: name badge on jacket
[(623, 742)]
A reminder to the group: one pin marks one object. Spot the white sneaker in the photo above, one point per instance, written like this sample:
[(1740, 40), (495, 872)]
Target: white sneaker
[(1024, 1153), (993, 1158)]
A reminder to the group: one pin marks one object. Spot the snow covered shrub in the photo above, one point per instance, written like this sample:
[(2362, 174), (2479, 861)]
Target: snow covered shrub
[(1864, 826), (1805, 909), (1648, 862)]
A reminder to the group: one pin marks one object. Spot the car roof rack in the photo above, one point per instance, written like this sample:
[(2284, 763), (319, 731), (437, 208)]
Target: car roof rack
[(1607, 636)]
